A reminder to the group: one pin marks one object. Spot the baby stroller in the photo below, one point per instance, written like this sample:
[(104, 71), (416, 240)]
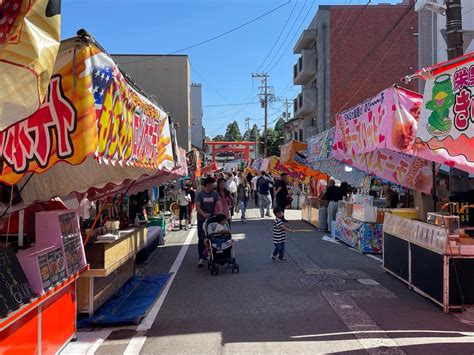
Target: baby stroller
[(220, 246)]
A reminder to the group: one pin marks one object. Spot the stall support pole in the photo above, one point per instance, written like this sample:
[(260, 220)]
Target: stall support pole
[(434, 186)]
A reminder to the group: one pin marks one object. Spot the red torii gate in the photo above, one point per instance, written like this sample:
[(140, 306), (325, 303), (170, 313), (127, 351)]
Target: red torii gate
[(236, 147)]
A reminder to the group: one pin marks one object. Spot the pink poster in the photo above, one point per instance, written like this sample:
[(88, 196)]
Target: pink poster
[(379, 137)]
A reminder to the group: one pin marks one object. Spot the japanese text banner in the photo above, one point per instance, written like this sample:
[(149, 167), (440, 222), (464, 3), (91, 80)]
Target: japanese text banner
[(90, 110), (379, 138), (446, 124)]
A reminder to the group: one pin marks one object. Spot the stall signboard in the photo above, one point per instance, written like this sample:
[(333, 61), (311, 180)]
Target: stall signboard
[(276, 167), (291, 151), (29, 43), (379, 137), (210, 168), (320, 146), (90, 109), (14, 287), (446, 123)]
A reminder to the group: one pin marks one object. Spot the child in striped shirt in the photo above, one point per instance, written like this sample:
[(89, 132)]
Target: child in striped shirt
[(279, 236)]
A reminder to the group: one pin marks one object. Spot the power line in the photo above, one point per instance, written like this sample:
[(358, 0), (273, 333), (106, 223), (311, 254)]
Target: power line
[(219, 35), (377, 46), (279, 36), (294, 36), (239, 104), (288, 33)]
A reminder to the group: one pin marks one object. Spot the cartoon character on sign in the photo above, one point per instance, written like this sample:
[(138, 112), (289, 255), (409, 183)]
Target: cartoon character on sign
[(442, 99)]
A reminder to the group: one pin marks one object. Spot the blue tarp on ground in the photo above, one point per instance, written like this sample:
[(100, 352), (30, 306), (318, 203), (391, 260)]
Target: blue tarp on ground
[(131, 304)]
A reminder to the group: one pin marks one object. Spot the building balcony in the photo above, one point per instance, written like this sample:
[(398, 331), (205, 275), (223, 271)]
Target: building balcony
[(305, 41), (305, 68), (305, 102)]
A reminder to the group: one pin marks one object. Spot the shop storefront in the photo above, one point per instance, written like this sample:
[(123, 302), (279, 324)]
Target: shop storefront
[(95, 133)]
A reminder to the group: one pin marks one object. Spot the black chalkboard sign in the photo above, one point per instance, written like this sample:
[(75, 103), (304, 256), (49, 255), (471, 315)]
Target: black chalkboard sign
[(14, 287)]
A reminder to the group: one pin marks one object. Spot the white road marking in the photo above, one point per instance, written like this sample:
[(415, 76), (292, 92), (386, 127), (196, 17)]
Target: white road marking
[(369, 282), (374, 257), (327, 238), (136, 343)]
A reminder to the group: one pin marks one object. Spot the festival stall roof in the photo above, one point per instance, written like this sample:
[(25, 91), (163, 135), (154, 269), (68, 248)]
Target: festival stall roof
[(378, 137), (446, 122), (95, 128), (293, 156), (320, 157)]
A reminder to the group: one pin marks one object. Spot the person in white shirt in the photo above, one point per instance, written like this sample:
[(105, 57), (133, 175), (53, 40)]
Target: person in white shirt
[(231, 186), (184, 198), (254, 188)]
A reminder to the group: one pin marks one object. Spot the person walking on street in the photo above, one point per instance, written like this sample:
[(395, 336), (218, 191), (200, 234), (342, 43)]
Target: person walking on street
[(231, 187), (264, 197), (184, 199), (332, 196), (227, 201), (279, 236), (281, 194), (254, 188), (243, 195), (192, 205), (207, 204)]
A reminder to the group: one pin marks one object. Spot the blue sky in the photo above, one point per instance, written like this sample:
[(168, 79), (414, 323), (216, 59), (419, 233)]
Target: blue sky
[(223, 66)]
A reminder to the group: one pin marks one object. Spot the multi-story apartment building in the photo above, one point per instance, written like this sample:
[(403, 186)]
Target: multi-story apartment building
[(197, 130), (167, 77), (347, 55)]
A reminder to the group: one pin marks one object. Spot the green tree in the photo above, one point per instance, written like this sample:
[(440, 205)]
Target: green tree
[(274, 138), (218, 138), (232, 133), (252, 134)]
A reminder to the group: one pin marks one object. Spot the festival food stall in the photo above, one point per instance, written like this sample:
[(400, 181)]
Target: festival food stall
[(94, 130), (375, 137), (436, 258), (320, 158)]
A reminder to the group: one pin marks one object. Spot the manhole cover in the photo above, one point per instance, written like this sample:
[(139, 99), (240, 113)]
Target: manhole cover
[(322, 280)]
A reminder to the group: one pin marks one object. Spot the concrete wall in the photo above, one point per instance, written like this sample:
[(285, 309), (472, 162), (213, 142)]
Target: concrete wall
[(197, 132), (350, 43), (168, 78)]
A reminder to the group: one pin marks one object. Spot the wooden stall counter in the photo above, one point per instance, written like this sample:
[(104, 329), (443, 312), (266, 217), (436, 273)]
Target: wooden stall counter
[(112, 264)]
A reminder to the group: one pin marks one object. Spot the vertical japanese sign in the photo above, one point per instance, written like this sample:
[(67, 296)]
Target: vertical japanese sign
[(90, 110), (446, 124), (29, 43)]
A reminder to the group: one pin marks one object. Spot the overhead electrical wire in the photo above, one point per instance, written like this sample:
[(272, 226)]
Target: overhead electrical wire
[(349, 77), (279, 36), (287, 34), (217, 36), (294, 36)]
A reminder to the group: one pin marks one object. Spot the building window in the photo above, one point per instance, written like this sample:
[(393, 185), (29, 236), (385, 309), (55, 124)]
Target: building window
[(296, 135), (301, 135), (313, 122)]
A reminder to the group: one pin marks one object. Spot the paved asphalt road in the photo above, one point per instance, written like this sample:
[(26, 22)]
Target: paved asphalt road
[(326, 298)]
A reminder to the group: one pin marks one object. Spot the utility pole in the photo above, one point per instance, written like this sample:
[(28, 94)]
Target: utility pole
[(287, 114), (454, 44), (247, 124), (265, 97), (454, 38)]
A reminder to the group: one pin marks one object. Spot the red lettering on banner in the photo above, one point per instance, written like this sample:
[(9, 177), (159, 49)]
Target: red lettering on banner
[(461, 109), (461, 79), (31, 139)]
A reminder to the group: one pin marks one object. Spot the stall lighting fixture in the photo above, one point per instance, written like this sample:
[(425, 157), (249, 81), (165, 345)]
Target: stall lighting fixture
[(348, 169)]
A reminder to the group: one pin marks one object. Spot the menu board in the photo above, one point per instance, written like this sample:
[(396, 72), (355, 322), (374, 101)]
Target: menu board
[(72, 242), (52, 268), (14, 287)]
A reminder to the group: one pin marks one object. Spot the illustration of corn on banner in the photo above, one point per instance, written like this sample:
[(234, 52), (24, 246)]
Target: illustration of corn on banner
[(123, 128), (29, 43)]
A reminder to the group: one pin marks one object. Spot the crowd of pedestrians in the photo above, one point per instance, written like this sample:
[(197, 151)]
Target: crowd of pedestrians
[(230, 193)]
